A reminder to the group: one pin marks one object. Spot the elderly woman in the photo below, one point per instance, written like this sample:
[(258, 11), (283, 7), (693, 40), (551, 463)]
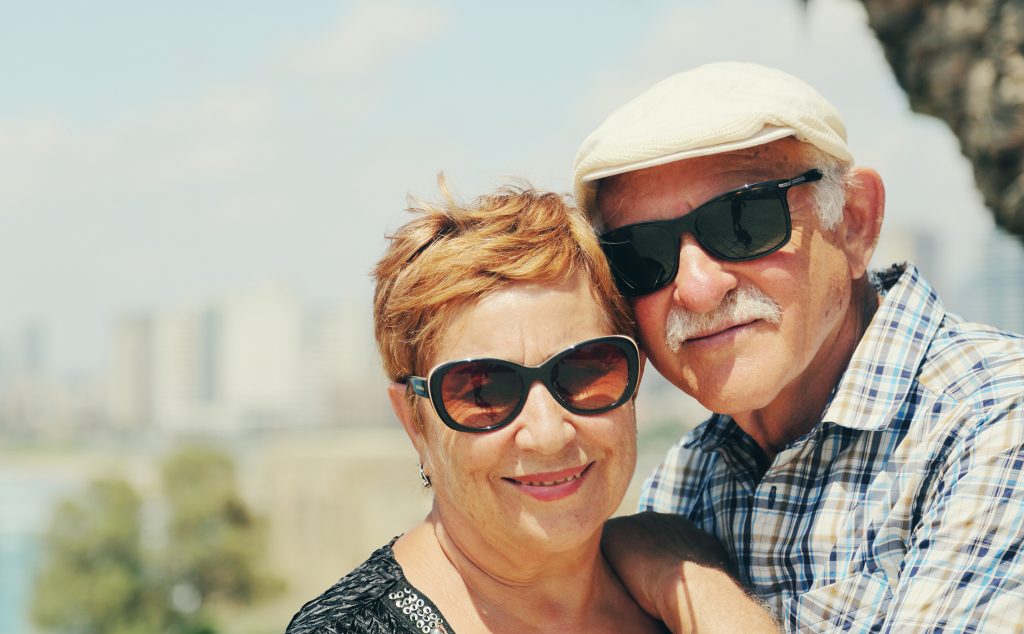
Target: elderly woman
[(502, 333)]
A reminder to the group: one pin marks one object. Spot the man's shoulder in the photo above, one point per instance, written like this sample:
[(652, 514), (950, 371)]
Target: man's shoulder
[(975, 376), (975, 362), (914, 338)]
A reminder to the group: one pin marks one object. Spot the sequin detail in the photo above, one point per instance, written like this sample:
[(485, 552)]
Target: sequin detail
[(422, 616)]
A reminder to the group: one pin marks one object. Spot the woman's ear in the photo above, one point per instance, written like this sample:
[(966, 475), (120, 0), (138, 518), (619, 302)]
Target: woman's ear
[(400, 403), (862, 219)]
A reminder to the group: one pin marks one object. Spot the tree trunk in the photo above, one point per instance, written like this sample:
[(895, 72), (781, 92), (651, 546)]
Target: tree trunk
[(963, 61)]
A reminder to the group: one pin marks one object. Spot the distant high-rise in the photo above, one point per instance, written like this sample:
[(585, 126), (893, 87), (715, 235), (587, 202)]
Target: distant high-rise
[(260, 358), (31, 348), (348, 386), (29, 400), (130, 374), (24, 353), (995, 288)]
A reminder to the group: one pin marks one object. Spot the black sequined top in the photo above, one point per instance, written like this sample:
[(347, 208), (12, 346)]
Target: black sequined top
[(375, 598)]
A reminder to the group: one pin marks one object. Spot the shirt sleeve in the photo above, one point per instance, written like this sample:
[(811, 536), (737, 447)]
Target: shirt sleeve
[(964, 568)]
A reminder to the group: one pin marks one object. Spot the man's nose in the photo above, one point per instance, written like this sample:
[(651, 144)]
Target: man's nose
[(702, 280), (545, 425)]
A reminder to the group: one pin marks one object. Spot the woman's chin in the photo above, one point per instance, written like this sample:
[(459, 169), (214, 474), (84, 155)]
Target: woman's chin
[(550, 533)]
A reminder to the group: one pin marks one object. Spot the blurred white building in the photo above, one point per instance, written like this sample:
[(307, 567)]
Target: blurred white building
[(185, 347), (252, 361), (130, 377)]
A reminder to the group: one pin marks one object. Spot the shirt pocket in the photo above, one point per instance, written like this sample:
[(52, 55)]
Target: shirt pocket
[(852, 601)]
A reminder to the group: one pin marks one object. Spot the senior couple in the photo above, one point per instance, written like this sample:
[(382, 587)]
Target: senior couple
[(862, 469)]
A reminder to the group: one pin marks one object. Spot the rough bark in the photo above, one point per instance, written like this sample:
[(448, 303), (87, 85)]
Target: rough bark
[(963, 62)]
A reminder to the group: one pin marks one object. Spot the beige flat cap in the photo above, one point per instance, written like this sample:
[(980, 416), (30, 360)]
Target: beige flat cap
[(711, 109)]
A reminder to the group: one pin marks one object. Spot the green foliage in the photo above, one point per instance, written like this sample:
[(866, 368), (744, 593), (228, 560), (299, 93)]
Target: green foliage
[(90, 582), (97, 576), (216, 542)]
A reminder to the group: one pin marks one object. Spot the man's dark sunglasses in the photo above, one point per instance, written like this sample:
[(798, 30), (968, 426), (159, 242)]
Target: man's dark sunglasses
[(478, 395), (742, 224)]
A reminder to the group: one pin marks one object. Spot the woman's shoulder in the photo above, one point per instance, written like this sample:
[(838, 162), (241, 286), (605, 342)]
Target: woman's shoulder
[(351, 598), (373, 598)]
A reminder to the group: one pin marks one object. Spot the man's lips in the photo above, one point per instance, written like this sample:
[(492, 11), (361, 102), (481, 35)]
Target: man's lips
[(550, 478), (719, 330)]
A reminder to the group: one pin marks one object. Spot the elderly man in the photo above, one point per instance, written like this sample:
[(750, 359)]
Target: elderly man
[(864, 465)]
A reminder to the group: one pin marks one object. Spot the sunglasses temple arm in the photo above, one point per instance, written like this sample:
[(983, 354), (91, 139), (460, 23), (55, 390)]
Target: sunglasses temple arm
[(807, 177), (418, 385)]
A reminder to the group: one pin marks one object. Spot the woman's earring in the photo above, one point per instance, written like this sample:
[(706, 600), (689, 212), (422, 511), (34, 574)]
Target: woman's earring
[(424, 477)]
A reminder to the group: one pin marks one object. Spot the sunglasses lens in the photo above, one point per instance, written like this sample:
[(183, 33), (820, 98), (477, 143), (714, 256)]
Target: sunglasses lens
[(592, 378), (642, 257), (744, 226), (480, 393)]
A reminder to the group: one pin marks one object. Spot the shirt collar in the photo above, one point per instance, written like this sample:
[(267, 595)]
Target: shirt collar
[(885, 363), (716, 431)]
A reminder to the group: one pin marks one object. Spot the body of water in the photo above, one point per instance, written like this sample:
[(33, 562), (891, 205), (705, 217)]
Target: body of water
[(27, 498)]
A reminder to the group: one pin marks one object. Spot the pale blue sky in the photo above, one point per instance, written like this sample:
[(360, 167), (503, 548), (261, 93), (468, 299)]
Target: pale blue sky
[(154, 155)]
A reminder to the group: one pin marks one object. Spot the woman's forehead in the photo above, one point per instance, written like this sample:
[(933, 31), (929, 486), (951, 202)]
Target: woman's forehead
[(524, 322)]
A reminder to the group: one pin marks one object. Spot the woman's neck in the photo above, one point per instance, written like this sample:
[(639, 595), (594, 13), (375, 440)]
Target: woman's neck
[(498, 588)]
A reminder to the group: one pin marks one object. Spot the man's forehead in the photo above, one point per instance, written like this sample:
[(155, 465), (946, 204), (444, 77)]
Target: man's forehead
[(702, 176)]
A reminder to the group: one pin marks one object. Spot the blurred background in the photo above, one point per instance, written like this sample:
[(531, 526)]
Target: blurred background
[(194, 433)]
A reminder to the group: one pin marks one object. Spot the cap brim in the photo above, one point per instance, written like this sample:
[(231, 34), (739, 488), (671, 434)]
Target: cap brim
[(766, 135)]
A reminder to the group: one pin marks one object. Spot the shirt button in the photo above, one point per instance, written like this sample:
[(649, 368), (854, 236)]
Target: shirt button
[(771, 498)]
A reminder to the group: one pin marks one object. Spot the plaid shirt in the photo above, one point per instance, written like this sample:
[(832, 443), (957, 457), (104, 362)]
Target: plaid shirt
[(903, 509)]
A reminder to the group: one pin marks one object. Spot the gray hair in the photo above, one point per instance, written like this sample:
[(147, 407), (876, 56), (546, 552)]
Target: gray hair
[(830, 191)]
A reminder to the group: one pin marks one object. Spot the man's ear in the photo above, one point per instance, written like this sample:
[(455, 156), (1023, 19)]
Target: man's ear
[(862, 219), (400, 403)]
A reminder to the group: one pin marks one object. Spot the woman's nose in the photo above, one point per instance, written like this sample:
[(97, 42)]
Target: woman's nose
[(546, 426)]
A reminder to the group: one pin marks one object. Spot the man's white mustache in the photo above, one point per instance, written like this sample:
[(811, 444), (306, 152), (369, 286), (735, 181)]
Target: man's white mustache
[(740, 305)]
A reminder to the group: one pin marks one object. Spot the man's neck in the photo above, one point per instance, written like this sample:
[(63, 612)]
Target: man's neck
[(798, 407)]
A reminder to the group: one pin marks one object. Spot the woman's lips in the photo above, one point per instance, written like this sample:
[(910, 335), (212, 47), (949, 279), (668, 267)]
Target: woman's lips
[(552, 485)]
